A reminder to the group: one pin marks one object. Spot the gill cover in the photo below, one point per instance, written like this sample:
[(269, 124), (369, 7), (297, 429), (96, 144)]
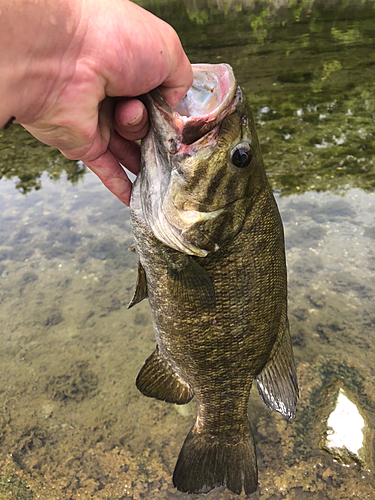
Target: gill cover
[(185, 153)]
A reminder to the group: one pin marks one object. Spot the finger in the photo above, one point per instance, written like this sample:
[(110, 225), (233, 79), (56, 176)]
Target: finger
[(131, 120), (112, 175), (148, 56), (128, 153), (178, 82)]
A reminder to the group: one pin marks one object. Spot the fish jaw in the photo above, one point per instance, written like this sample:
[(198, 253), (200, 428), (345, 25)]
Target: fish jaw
[(174, 137)]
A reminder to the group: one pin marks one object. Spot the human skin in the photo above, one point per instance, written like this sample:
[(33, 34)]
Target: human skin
[(70, 71)]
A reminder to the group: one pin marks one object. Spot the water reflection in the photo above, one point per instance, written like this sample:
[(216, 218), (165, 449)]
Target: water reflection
[(24, 159), (72, 424), (311, 93)]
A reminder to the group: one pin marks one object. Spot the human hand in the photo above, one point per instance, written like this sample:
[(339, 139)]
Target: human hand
[(84, 84)]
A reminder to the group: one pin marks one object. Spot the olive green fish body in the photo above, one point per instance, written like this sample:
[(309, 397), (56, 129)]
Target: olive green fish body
[(220, 322)]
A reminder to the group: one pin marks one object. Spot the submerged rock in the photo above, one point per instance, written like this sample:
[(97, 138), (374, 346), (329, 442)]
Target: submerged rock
[(346, 424), (347, 435)]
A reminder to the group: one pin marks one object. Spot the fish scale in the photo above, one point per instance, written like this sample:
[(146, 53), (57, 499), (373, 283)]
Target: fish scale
[(218, 293)]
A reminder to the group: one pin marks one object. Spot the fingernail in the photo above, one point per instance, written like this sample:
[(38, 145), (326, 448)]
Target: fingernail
[(136, 120)]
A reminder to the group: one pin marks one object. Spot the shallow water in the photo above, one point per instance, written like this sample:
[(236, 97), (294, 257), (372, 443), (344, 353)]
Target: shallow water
[(72, 423)]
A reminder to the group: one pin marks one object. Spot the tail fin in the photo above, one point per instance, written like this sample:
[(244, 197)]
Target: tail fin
[(206, 461)]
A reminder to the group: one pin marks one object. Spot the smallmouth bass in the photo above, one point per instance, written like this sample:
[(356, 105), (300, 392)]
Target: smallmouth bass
[(210, 243)]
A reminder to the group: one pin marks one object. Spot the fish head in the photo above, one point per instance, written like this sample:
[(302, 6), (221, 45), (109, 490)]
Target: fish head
[(199, 163)]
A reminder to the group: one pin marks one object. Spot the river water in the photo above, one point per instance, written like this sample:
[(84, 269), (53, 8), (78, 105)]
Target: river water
[(72, 423)]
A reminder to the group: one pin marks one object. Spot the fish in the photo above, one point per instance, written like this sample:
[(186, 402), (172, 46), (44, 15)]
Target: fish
[(210, 243)]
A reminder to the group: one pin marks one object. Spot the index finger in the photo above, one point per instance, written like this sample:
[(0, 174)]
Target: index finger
[(178, 82)]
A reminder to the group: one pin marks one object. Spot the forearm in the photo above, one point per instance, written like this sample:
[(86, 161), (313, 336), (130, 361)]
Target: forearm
[(34, 37)]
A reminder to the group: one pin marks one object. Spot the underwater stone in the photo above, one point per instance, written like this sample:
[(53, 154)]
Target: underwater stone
[(347, 435), (346, 423)]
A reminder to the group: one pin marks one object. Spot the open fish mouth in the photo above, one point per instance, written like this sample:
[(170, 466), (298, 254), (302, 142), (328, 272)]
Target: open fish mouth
[(205, 104), (172, 140)]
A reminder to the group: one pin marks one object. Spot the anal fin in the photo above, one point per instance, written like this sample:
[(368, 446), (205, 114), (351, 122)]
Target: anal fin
[(277, 383), (158, 380)]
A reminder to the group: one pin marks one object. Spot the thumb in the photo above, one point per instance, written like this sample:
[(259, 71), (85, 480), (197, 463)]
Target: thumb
[(131, 119)]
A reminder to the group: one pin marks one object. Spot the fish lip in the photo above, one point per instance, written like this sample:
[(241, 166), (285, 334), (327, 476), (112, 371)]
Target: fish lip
[(219, 85)]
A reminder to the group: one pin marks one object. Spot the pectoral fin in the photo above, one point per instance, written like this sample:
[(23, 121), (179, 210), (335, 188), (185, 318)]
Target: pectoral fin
[(191, 282), (277, 383), (158, 380), (140, 291)]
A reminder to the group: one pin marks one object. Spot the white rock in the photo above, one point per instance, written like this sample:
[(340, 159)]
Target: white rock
[(347, 426)]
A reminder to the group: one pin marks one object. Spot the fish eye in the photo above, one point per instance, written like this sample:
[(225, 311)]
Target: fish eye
[(241, 155)]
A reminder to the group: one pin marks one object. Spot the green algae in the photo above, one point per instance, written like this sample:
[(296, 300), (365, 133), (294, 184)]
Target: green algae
[(24, 160), (12, 485)]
